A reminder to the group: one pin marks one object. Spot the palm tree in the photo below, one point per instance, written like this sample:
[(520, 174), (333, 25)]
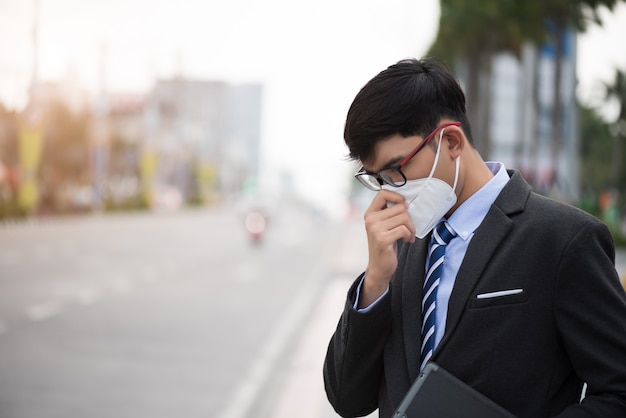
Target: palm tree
[(563, 15), (471, 33)]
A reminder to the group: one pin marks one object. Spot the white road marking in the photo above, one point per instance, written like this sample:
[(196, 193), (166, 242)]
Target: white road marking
[(246, 273), (86, 295), (43, 310), (240, 405), (122, 284), (147, 274), (10, 257), (68, 248), (42, 253), (302, 393)]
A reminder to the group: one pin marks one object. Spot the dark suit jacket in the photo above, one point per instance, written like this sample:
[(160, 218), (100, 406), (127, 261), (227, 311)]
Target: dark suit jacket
[(530, 352)]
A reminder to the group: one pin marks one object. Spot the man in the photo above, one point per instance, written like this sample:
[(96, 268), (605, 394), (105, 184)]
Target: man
[(513, 293)]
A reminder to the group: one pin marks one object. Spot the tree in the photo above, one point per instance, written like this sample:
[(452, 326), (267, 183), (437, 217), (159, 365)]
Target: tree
[(9, 162), (557, 17), (617, 91), (472, 33), (595, 150), (65, 159), (602, 153)]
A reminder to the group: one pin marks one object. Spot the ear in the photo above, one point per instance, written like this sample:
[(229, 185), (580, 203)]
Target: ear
[(456, 141)]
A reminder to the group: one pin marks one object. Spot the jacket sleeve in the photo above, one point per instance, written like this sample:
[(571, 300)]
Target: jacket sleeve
[(353, 368), (590, 309)]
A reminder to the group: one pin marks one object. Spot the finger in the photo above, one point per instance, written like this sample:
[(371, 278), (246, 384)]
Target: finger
[(403, 221), (378, 203), (387, 239), (382, 198), (402, 232), (390, 196), (381, 222), (386, 218)]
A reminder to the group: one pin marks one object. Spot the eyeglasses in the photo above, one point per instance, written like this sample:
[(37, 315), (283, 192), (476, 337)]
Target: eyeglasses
[(394, 176)]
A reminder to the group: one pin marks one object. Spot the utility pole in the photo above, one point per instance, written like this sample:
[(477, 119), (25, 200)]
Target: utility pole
[(35, 75), (100, 137), (31, 133)]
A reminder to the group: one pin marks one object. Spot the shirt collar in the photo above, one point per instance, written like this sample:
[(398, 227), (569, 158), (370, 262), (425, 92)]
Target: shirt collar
[(467, 217)]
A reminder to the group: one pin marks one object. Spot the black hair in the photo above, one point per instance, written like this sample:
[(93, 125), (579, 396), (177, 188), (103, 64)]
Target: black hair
[(408, 98)]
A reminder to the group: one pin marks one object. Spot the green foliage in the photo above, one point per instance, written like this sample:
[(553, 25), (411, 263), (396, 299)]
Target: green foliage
[(65, 162), (596, 147), (620, 239), (597, 154), (486, 27), (470, 30), (9, 159), (489, 26), (132, 203), (8, 136), (617, 90), (66, 152), (579, 13)]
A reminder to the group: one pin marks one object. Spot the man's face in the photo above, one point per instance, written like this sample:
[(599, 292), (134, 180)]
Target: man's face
[(397, 159)]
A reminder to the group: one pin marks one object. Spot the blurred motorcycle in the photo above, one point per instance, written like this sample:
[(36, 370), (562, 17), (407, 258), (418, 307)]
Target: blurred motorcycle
[(255, 223)]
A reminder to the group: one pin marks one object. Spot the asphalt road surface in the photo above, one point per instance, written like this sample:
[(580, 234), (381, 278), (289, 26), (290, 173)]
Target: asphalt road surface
[(160, 315)]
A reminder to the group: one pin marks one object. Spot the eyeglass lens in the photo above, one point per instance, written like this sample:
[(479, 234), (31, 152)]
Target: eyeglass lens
[(369, 181)]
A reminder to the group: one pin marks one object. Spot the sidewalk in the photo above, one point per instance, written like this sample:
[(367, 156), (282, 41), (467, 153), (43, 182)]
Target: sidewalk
[(302, 393)]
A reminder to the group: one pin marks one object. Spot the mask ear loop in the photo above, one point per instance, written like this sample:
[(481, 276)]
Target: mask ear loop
[(456, 173), (456, 168), (432, 170)]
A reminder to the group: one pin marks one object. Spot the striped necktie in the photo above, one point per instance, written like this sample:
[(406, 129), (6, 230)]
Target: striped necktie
[(440, 238)]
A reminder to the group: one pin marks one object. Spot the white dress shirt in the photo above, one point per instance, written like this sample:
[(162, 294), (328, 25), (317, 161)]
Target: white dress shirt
[(464, 221)]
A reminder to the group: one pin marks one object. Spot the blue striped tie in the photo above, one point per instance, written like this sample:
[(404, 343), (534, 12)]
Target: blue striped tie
[(440, 238)]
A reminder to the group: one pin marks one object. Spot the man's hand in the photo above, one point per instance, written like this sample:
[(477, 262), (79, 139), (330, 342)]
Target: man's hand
[(384, 226)]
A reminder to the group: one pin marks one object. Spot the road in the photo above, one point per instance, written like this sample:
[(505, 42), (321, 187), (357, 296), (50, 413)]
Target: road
[(154, 315)]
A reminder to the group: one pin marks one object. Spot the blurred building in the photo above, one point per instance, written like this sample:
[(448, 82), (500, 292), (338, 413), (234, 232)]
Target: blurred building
[(66, 92), (185, 140), (203, 136), (125, 120)]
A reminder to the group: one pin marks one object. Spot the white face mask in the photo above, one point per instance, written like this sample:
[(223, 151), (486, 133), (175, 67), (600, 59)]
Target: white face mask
[(429, 199)]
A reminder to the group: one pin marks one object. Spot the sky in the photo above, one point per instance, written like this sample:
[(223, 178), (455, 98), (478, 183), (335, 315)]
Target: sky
[(312, 57)]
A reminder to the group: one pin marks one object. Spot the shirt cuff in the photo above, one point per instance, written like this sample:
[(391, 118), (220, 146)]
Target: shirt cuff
[(358, 293)]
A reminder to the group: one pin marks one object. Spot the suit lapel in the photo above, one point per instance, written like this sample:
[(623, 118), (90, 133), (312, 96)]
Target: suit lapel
[(487, 239), (485, 242)]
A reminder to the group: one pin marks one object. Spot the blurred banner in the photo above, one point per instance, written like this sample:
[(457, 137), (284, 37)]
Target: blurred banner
[(148, 168), (206, 174), (30, 143)]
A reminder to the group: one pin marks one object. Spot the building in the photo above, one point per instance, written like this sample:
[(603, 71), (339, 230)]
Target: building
[(203, 136)]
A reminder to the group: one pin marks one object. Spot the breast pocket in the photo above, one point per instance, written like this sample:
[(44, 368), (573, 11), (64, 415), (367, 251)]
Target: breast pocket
[(485, 299)]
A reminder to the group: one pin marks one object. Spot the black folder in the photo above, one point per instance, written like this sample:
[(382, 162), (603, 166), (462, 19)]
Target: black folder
[(438, 394)]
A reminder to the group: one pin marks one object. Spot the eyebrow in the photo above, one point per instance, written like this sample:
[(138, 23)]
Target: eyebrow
[(393, 162)]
